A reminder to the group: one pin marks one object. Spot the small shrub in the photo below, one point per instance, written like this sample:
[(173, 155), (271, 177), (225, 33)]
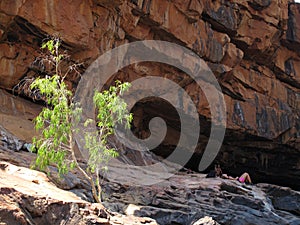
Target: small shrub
[(57, 122)]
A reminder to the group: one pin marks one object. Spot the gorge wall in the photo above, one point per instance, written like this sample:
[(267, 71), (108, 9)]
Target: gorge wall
[(253, 48)]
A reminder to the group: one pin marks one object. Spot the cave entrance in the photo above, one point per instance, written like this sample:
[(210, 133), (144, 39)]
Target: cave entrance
[(152, 107)]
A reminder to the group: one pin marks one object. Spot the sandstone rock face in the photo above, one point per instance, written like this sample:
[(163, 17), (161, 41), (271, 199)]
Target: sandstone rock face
[(16, 126), (251, 46), (293, 35)]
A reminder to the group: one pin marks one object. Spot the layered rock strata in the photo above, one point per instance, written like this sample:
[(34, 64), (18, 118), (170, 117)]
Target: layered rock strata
[(251, 46)]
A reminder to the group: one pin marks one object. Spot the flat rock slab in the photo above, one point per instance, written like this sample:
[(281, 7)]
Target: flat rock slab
[(28, 197)]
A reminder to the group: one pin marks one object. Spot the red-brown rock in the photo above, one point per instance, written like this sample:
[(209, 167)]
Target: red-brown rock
[(251, 46), (28, 197), (293, 31)]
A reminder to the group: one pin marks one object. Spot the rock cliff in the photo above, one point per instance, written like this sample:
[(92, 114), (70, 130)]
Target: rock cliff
[(253, 48)]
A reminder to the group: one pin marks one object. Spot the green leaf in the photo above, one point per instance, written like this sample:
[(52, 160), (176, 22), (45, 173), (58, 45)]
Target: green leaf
[(55, 143)]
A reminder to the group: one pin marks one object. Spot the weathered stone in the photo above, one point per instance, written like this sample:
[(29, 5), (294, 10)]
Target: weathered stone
[(293, 31), (186, 198), (260, 37), (67, 181), (12, 61), (206, 221), (76, 24), (128, 21), (192, 9), (284, 199), (232, 56), (288, 67), (27, 197), (251, 46), (9, 141), (271, 12), (224, 17), (260, 4), (16, 115)]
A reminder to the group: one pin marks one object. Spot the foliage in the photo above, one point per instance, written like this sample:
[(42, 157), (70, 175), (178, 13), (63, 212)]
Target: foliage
[(112, 110), (58, 120), (55, 120)]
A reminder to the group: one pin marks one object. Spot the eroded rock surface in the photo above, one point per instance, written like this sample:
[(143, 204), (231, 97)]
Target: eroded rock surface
[(251, 46), (187, 197), (253, 49), (28, 197)]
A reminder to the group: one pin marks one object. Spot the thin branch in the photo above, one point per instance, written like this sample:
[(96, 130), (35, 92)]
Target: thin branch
[(89, 178)]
